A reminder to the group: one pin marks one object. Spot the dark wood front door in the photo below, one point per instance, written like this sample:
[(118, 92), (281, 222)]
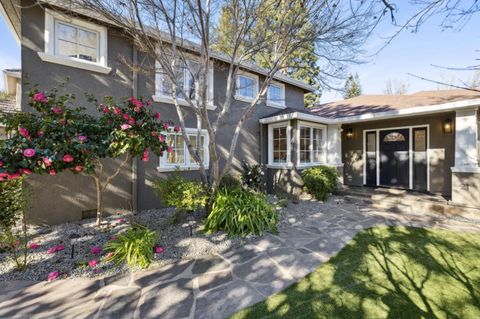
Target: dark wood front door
[(371, 160), (419, 160), (394, 158)]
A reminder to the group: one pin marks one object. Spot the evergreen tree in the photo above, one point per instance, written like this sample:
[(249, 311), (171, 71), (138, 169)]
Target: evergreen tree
[(352, 86)]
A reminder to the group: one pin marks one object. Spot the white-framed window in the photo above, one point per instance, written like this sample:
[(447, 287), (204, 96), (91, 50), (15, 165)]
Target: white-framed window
[(180, 157), (186, 75), (75, 42), (279, 150), (311, 144), (246, 86), (276, 95)]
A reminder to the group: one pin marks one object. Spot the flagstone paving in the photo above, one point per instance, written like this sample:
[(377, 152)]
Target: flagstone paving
[(220, 285)]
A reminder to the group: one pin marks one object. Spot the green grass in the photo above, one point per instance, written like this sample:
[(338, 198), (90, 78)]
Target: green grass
[(387, 272)]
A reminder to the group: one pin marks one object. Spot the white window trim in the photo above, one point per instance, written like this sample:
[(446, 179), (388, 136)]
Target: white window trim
[(164, 98), (164, 166), (271, 164), (271, 103), (324, 144), (243, 98), (49, 52)]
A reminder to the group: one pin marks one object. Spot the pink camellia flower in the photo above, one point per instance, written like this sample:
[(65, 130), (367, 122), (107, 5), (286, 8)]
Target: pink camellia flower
[(57, 110), (105, 110), (125, 127), (154, 133), (3, 174), (52, 172), (67, 158), (131, 121), (93, 263), (169, 149), (126, 117), (40, 133), (137, 109), (1, 163), (149, 103), (23, 132), (145, 156), (165, 126), (53, 275), (109, 255), (33, 246), (55, 249), (78, 168), (159, 250), (96, 250), (120, 220), (25, 171), (135, 102), (161, 138), (14, 176), (117, 110), (29, 152), (177, 128), (157, 116), (47, 161), (40, 97), (82, 138)]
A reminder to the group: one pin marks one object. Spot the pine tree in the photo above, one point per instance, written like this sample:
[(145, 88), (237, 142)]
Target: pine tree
[(352, 86), (300, 65)]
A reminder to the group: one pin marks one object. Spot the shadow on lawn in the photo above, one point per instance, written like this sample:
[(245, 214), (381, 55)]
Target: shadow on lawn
[(388, 272)]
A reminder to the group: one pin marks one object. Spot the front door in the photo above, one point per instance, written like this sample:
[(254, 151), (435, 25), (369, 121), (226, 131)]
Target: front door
[(394, 158)]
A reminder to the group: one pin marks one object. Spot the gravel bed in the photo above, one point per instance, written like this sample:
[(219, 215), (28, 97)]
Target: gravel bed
[(179, 235)]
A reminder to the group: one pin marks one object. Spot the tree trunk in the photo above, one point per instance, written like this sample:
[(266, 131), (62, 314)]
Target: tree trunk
[(98, 187)]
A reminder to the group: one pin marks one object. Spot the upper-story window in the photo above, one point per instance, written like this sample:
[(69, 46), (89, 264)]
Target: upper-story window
[(186, 76), (247, 87), (276, 95), (75, 42)]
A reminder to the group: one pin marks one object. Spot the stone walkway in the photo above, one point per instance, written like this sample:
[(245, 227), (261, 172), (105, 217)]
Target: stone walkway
[(220, 285)]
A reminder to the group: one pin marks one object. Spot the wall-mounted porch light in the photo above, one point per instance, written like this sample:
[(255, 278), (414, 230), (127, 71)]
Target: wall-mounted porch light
[(349, 133), (447, 126)]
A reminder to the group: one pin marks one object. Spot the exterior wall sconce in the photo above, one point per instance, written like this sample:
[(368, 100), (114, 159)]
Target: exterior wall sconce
[(447, 126), (349, 133)]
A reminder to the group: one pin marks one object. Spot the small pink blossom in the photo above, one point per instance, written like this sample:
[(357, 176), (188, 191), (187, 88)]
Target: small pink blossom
[(177, 128), (161, 138), (57, 110), (52, 172), (40, 133), (67, 158), (154, 133), (82, 138), (145, 156), (29, 152), (33, 246), (125, 127), (121, 221), (131, 121), (105, 110), (117, 110), (14, 176), (55, 249), (149, 103), (109, 255), (126, 117), (135, 102), (157, 116), (53, 275), (159, 250), (137, 109), (25, 171), (96, 250), (165, 126), (40, 97), (4, 174), (169, 149), (47, 161), (1, 163), (93, 263), (23, 132), (78, 168)]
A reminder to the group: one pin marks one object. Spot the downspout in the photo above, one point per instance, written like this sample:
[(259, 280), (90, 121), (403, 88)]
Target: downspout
[(134, 159)]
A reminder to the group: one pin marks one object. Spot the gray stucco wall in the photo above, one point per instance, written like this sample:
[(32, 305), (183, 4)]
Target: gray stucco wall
[(441, 152), (55, 199)]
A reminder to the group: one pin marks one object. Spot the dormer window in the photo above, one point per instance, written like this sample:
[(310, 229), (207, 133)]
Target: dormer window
[(276, 95)]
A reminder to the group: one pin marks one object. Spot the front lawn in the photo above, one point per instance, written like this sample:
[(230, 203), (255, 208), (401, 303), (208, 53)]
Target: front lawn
[(387, 272)]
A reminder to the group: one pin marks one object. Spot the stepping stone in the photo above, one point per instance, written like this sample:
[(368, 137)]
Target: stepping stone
[(268, 241), (210, 264), (120, 303), (241, 255), (273, 287), (294, 262), (167, 301), (224, 301), (259, 270), (118, 280), (211, 280), (155, 276)]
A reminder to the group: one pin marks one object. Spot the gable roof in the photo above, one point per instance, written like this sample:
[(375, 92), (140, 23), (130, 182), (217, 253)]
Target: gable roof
[(370, 104)]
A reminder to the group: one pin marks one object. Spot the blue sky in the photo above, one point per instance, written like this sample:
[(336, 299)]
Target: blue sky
[(408, 53)]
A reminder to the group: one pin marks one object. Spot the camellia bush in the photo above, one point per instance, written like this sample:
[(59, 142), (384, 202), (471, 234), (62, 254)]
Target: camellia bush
[(61, 137)]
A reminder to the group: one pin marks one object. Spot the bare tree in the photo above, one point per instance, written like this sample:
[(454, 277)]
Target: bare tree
[(176, 32), (395, 88)]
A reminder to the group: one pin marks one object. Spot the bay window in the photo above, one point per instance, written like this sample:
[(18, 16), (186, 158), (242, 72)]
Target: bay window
[(311, 144), (279, 144)]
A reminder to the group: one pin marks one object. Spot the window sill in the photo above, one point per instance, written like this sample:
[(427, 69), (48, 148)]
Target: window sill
[(280, 166), (307, 165), (169, 100), (74, 63), (276, 105), (178, 168), (244, 98), (465, 169)]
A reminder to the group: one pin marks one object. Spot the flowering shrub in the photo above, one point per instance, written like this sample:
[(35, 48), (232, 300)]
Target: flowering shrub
[(253, 177)]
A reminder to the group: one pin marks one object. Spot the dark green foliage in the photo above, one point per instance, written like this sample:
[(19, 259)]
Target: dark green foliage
[(230, 182), (135, 247), (12, 201), (352, 87), (241, 212), (253, 177), (184, 195), (320, 181)]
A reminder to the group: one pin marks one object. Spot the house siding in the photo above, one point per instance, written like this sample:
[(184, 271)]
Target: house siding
[(441, 152)]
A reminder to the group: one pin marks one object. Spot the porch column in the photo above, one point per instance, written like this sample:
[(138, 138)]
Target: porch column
[(334, 148), (466, 172)]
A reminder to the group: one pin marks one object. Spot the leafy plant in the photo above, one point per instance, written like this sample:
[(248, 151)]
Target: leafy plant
[(241, 212), (185, 195), (230, 181), (320, 181), (253, 176), (135, 247)]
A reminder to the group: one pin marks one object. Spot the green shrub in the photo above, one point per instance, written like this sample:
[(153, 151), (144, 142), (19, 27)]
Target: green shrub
[(241, 212), (12, 202), (230, 182), (135, 247), (253, 176), (320, 181), (185, 195)]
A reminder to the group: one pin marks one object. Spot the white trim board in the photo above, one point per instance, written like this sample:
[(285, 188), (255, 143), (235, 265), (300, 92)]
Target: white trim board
[(10, 26), (410, 153)]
